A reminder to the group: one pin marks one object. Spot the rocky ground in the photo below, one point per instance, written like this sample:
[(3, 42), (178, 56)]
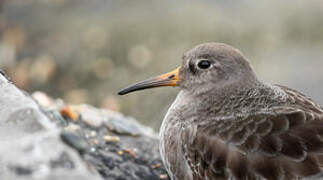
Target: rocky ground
[(49, 140)]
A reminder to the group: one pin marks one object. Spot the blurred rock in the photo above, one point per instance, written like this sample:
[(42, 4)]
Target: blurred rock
[(31, 147), (43, 99), (43, 156), (20, 115), (39, 143)]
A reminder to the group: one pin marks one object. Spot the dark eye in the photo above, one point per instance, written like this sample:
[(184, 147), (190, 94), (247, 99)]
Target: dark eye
[(204, 64)]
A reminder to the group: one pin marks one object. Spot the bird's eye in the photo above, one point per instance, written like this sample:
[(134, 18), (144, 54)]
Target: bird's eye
[(204, 64)]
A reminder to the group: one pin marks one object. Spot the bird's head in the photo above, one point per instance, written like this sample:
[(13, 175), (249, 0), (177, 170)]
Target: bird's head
[(206, 67)]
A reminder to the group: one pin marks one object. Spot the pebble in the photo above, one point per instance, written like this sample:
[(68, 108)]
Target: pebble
[(72, 128), (132, 153), (155, 166), (113, 139), (93, 134), (55, 116), (120, 152), (91, 116), (163, 176), (43, 99), (67, 112), (74, 141), (96, 142), (93, 149), (123, 127)]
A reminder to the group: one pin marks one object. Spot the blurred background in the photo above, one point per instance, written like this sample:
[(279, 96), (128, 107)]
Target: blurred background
[(85, 51)]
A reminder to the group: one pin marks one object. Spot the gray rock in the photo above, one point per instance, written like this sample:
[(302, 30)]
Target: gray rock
[(39, 144), (75, 141), (135, 157), (42, 156), (30, 144), (20, 115), (114, 121)]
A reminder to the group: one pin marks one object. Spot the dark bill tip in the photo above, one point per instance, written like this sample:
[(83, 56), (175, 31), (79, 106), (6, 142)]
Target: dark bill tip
[(129, 89), (122, 92)]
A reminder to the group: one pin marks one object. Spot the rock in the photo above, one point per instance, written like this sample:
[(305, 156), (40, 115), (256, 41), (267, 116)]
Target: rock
[(43, 99), (42, 156), (120, 148), (38, 143), (75, 141), (113, 139), (114, 121), (20, 115), (30, 143)]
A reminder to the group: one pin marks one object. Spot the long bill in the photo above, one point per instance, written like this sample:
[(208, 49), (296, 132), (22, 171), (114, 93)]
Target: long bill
[(168, 79)]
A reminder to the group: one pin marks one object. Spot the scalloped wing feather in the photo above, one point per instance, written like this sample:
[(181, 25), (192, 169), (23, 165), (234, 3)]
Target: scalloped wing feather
[(285, 144)]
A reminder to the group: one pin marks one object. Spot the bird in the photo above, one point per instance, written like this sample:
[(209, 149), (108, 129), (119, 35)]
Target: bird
[(226, 123)]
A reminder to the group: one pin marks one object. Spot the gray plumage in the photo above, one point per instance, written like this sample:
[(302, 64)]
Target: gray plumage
[(227, 124)]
